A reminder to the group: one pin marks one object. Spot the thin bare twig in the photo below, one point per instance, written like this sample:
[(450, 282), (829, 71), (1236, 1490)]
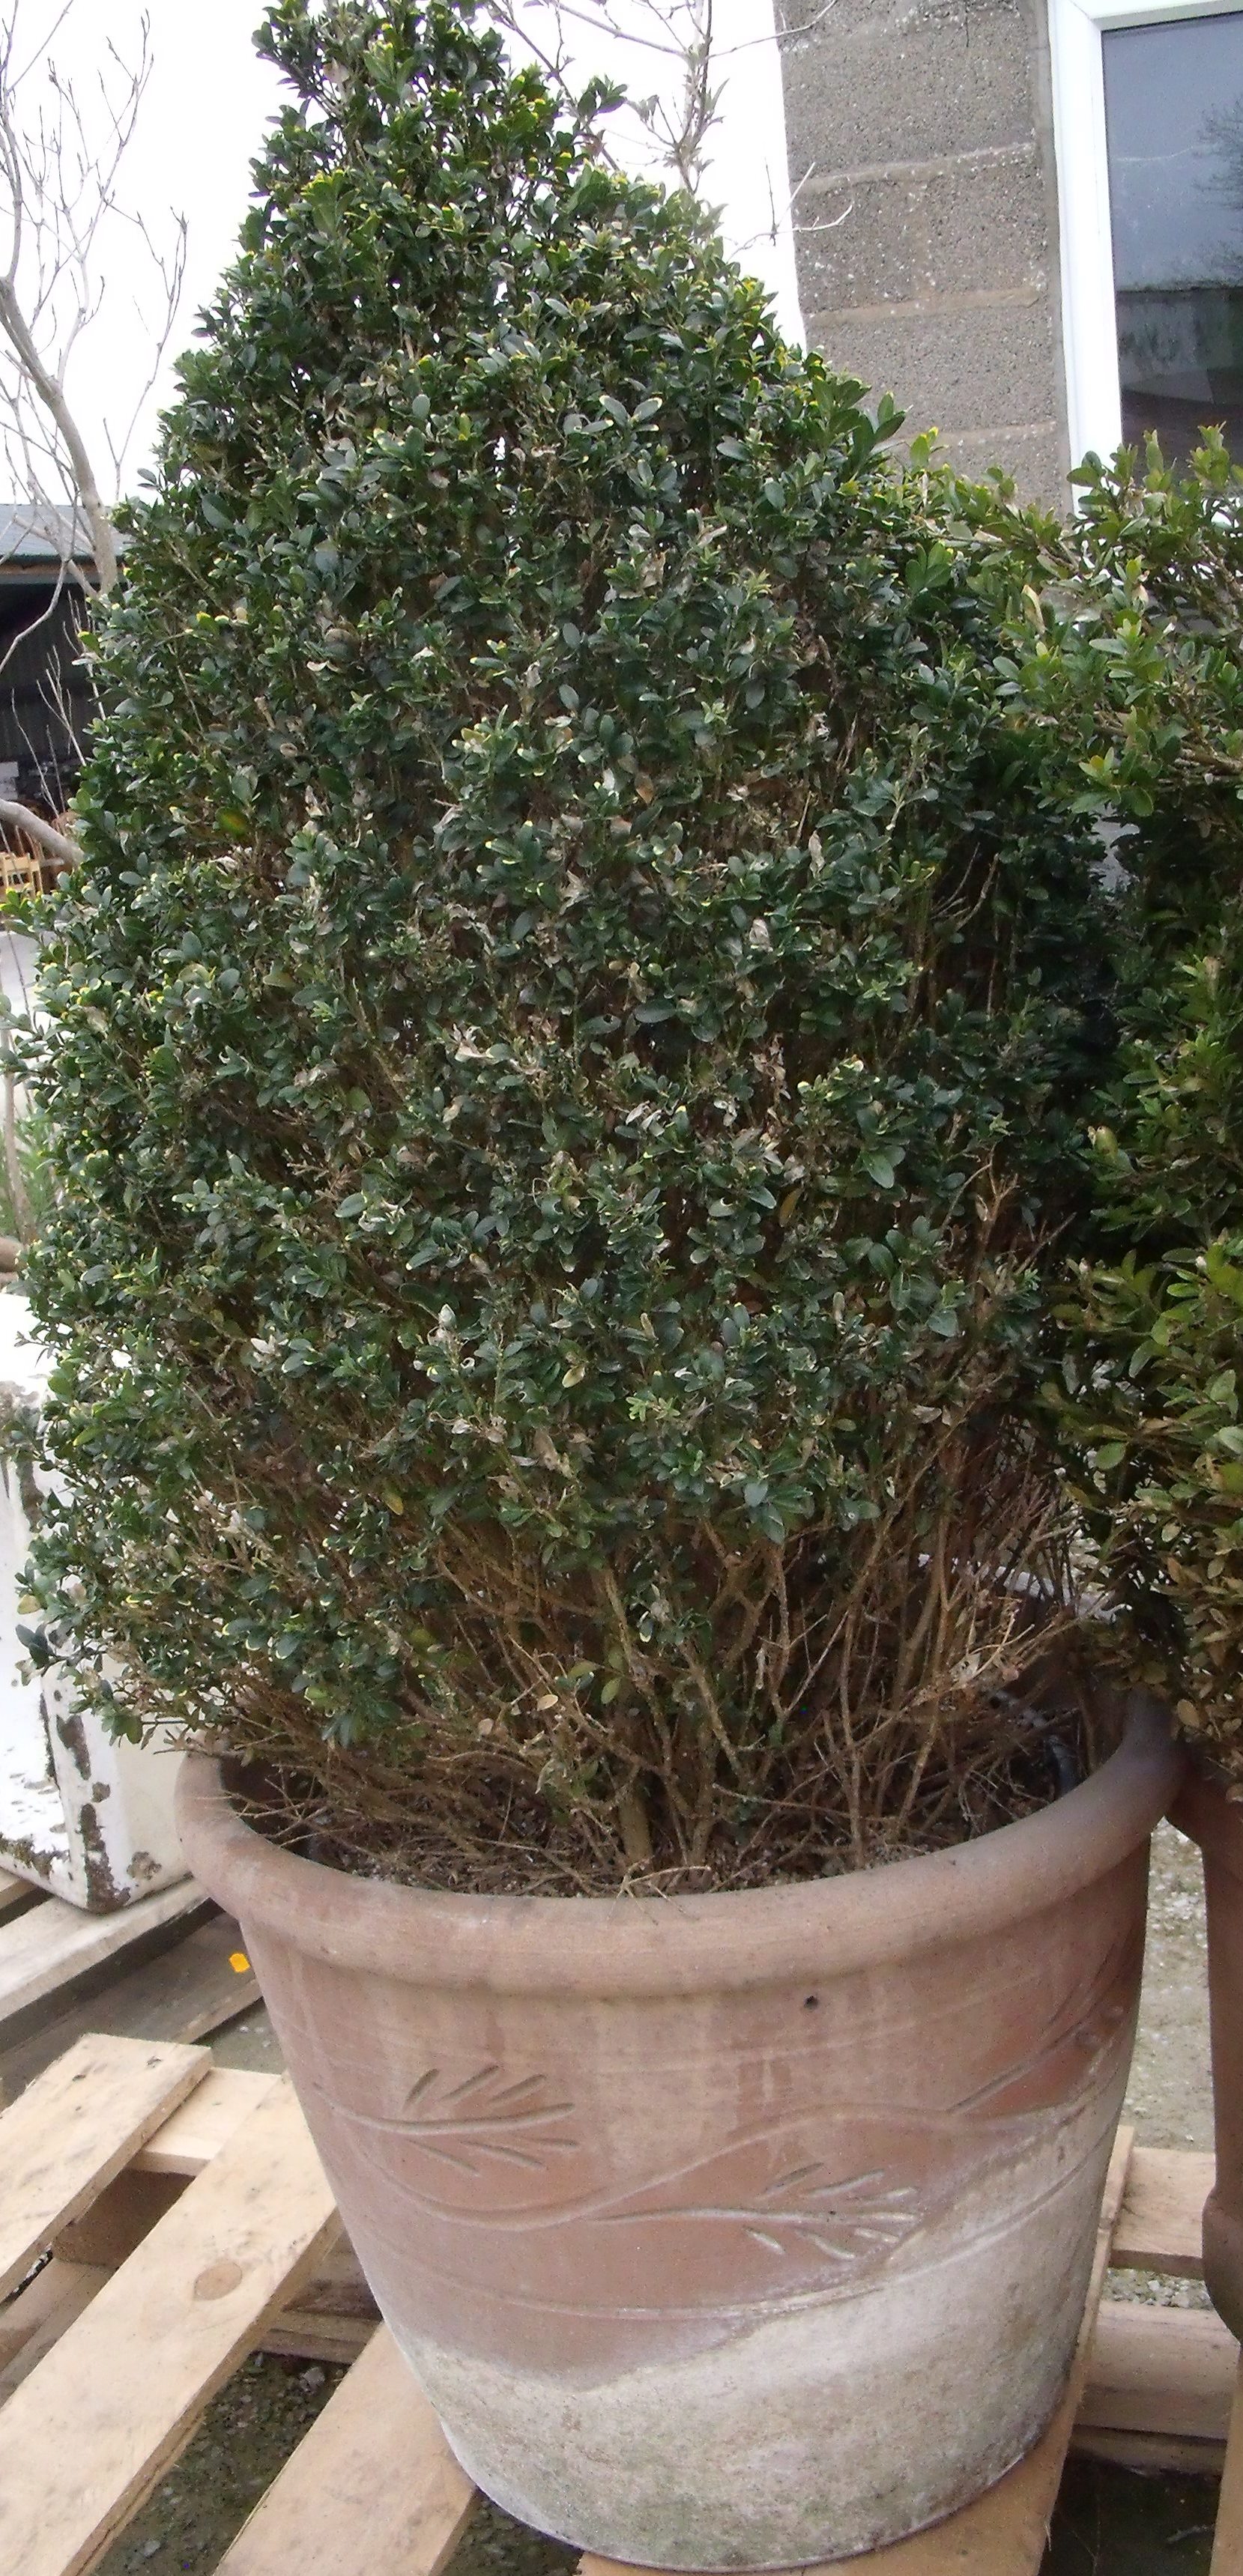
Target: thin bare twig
[(60, 164), (56, 845)]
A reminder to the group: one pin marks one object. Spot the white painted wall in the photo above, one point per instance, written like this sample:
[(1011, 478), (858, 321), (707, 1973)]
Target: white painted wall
[(88, 1818)]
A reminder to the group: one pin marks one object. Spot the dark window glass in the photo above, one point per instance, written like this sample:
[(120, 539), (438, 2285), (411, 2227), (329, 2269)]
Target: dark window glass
[(1174, 120)]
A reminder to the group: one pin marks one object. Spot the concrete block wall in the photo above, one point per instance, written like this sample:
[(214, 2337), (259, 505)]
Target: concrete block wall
[(920, 147)]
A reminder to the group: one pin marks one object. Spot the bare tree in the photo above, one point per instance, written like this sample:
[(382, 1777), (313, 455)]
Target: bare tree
[(61, 207), (62, 152), (61, 161)]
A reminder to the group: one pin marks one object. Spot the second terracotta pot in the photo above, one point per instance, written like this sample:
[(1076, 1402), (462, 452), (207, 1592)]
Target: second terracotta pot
[(726, 2231), (1215, 1822)]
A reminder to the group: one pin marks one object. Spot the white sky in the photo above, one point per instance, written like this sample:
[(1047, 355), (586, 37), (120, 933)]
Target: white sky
[(202, 120)]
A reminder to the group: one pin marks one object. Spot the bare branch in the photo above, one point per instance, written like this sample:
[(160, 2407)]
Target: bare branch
[(678, 32), (56, 845), (60, 169), (103, 542)]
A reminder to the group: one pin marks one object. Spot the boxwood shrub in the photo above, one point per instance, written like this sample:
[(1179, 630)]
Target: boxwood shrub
[(1127, 649), (569, 1043)]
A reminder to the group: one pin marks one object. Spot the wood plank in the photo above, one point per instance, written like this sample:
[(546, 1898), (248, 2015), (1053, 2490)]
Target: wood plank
[(1162, 2455), (90, 2433), (1158, 2226), (215, 2112), (74, 2128), (185, 1993), (23, 2314), (301, 2334), (40, 2314), (373, 2484), (1160, 2370), (338, 2288), (17, 1893), (1227, 2558), (42, 1950), (333, 2318), (119, 2219)]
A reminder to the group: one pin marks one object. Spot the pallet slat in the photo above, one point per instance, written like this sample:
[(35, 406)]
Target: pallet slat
[(89, 2434), (40, 2314), (1227, 2558), (372, 2485), (1166, 2455), (1160, 2370), (16, 1892), (333, 2318), (43, 1949), (1158, 2226), (185, 1993), (74, 2129), (193, 2135)]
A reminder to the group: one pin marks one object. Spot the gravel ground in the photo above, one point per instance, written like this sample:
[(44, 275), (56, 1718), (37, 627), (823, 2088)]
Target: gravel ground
[(1109, 2522), (1170, 2095), (1170, 2098)]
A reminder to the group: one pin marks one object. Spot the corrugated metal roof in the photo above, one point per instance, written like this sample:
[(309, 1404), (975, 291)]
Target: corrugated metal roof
[(35, 532)]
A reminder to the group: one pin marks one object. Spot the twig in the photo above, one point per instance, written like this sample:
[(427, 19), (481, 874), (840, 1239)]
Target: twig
[(57, 844)]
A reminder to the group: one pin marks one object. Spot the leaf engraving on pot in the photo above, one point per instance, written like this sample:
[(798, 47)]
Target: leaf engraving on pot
[(852, 2221), (483, 2119), (1082, 2025)]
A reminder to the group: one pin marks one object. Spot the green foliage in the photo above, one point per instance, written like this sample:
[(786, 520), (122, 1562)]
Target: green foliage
[(1127, 646), (33, 1153), (1150, 1411), (1125, 627), (572, 1028)]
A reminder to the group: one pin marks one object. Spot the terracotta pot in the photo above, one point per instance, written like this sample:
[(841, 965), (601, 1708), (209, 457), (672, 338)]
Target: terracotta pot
[(1202, 1811), (724, 2231)]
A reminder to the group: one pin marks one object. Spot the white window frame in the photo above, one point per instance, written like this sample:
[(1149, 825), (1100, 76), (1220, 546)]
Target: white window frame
[(1089, 315)]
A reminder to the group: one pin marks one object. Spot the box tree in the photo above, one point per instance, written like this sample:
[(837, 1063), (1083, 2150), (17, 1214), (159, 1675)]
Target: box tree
[(1128, 658), (568, 1041)]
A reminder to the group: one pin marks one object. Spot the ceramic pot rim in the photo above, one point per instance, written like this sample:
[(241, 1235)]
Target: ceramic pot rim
[(625, 1946)]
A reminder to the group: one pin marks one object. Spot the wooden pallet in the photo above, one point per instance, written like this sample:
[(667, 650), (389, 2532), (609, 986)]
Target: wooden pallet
[(46, 1943), (189, 2224), (64, 1973)]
